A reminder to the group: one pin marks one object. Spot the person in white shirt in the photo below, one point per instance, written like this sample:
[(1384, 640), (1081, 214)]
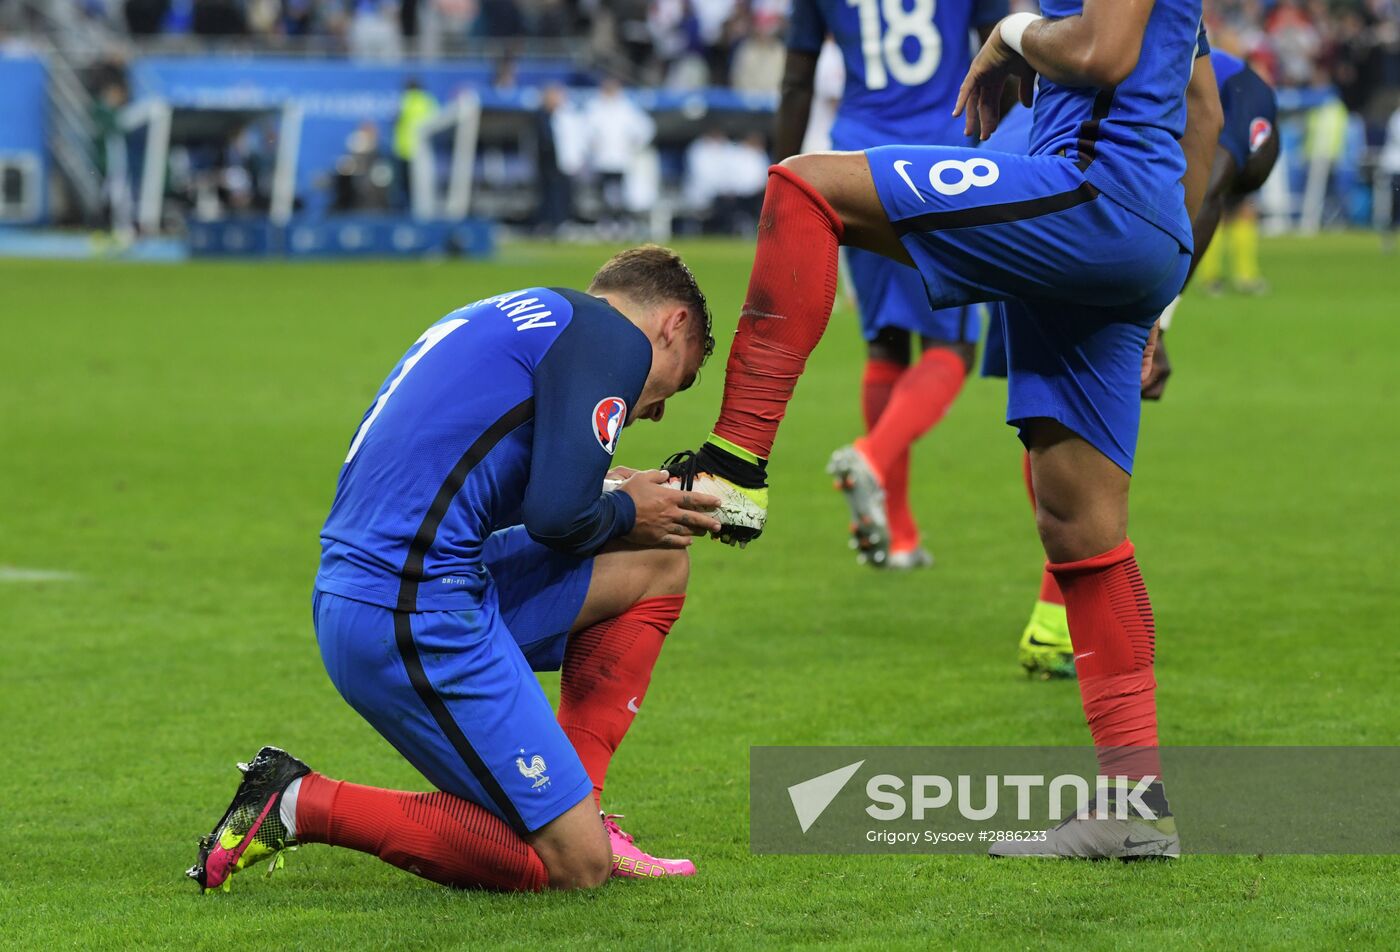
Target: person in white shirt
[(618, 133)]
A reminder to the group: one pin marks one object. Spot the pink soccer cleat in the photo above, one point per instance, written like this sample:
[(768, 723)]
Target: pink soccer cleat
[(629, 862)]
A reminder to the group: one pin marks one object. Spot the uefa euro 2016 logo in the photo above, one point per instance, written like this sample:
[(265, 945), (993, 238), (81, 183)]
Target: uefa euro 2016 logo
[(608, 417)]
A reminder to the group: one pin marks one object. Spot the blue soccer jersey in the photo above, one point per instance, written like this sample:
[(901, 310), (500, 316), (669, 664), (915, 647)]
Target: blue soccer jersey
[(506, 411), (905, 60), (1125, 137)]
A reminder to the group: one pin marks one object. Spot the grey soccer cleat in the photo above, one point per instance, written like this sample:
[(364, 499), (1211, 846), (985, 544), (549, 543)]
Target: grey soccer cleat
[(915, 558), (1091, 837)]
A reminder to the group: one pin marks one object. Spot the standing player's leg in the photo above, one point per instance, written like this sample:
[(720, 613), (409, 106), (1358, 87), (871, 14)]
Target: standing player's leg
[(1045, 650), (874, 473), (920, 400), (886, 500), (1073, 392), (1243, 231)]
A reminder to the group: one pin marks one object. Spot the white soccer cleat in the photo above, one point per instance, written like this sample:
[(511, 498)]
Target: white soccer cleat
[(742, 512)]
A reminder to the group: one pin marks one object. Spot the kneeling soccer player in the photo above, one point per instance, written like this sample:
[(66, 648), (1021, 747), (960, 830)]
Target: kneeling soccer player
[(470, 544), (1090, 231)]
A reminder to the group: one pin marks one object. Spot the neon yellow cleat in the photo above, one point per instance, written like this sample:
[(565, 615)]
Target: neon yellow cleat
[(1046, 651)]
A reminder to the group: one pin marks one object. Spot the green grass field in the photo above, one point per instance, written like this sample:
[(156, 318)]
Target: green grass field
[(171, 435)]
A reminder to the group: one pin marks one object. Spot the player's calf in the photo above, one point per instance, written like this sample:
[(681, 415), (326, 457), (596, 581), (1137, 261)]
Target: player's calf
[(634, 598)]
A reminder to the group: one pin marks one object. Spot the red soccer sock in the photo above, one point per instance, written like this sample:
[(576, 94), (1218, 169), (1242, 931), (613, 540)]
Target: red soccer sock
[(1049, 588), (434, 835), (904, 531), (791, 290), (919, 400), (878, 384), (607, 668), (1114, 636)]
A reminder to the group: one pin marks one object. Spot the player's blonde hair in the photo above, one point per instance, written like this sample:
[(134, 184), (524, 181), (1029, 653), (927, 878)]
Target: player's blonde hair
[(652, 274)]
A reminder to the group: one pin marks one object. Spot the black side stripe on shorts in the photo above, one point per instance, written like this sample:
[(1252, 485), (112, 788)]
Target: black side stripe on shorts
[(412, 575), (998, 214), (1089, 129)]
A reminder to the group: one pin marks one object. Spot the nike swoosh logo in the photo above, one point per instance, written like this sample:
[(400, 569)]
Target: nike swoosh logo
[(900, 168), (632, 706), (1043, 644), (1130, 844)]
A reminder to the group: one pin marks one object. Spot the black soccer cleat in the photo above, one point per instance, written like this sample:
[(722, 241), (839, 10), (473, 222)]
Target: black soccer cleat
[(250, 830)]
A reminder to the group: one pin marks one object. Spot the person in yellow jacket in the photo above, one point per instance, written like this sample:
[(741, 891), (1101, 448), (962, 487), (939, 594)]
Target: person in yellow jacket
[(416, 107)]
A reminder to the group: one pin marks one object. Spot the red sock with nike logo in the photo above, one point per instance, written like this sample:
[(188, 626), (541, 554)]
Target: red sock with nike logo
[(434, 835), (607, 668), (791, 289), (1114, 644)]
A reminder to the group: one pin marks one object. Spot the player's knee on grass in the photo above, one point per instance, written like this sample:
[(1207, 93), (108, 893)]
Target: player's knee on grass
[(1081, 495), (574, 848)]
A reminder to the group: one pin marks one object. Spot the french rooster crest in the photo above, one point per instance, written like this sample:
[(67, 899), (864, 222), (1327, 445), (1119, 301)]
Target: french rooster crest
[(534, 770)]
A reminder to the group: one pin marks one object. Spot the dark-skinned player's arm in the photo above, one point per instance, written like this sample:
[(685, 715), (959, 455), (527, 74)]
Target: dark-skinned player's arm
[(1011, 94), (795, 104), (1209, 170), (1097, 48), (806, 33), (1201, 140)]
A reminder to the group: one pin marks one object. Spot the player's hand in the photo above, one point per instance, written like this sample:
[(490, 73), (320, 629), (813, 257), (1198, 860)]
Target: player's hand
[(1156, 368), (619, 473), (667, 517), (980, 97)]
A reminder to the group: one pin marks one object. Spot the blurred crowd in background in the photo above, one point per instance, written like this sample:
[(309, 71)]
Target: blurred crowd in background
[(688, 43), (1354, 44), (1341, 58)]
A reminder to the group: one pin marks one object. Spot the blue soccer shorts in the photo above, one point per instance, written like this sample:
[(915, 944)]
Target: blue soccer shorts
[(889, 294), (455, 692), (1089, 275)]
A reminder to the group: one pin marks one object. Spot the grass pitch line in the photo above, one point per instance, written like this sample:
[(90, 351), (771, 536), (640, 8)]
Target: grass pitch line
[(10, 573)]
